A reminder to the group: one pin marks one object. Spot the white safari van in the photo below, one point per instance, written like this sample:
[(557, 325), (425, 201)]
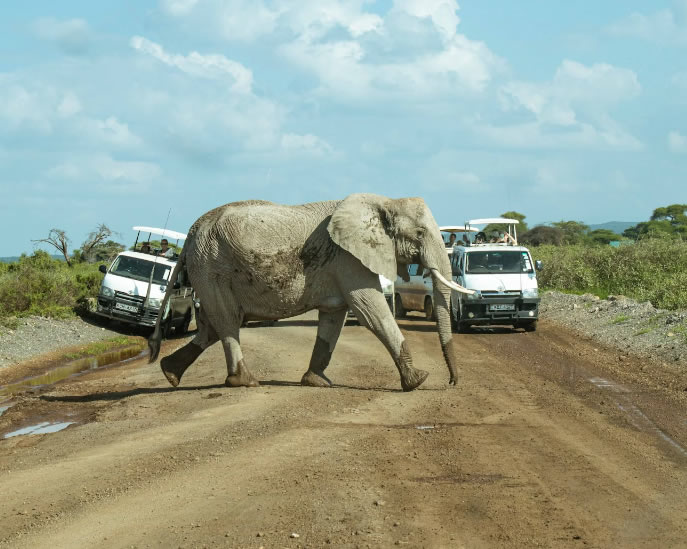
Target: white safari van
[(135, 284), (503, 276)]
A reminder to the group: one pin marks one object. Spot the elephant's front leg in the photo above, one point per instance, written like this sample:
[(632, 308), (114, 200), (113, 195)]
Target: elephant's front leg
[(328, 331), (237, 373), (372, 310)]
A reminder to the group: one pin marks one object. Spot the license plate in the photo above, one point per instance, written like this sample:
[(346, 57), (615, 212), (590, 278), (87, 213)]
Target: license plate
[(125, 307), (502, 307)]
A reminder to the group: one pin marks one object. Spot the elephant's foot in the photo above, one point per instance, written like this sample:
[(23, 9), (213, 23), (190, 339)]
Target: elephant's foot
[(174, 365), (315, 379), (413, 378), (242, 378)]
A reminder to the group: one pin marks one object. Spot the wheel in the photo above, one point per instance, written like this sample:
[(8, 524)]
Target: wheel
[(183, 329), (530, 326), (429, 309), (464, 328), (454, 322), (400, 309), (167, 327)]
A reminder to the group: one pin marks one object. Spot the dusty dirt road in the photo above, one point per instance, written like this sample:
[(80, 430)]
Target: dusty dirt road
[(548, 440)]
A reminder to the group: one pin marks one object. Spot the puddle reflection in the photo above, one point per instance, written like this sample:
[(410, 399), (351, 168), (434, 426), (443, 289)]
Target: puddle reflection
[(40, 429), (71, 368)]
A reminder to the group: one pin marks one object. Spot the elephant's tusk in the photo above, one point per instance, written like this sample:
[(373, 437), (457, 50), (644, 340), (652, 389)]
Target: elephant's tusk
[(450, 284)]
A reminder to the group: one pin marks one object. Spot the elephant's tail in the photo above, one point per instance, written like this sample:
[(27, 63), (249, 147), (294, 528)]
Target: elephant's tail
[(156, 338)]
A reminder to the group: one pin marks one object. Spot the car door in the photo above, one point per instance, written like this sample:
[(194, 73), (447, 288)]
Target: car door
[(416, 287)]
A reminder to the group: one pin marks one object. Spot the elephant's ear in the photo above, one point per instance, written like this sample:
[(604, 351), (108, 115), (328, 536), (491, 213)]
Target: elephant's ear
[(360, 225)]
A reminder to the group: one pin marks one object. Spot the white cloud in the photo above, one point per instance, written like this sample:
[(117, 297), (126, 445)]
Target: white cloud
[(677, 142), (206, 66), (109, 174), (569, 111), (308, 142), (69, 106), (178, 8), (666, 26), (110, 131), (73, 36), (441, 12)]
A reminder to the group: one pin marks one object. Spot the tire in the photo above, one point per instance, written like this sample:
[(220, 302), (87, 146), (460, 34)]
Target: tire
[(400, 309), (167, 327), (429, 309), (530, 326), (183, 328), (454, 322), (464, 328)]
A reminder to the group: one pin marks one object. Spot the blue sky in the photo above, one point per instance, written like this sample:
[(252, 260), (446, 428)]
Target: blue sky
[(118, 112)]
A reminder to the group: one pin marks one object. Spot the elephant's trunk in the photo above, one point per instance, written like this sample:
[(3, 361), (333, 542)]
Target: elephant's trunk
[(440, 267), (442, 300)]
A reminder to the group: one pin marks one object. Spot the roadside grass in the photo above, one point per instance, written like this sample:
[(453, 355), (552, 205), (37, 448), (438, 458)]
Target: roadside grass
[(42, 286), (620, 319), (100, 347), (653, 270)]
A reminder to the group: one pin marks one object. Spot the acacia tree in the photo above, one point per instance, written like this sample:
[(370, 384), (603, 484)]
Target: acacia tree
[(58, 239), (94, 241)]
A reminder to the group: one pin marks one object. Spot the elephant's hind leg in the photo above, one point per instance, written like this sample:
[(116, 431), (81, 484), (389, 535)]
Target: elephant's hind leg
[(237, 373), (328, 331)]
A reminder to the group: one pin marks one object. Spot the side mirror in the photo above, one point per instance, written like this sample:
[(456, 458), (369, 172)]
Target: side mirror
[(102, 269), (177, 285), (538, 265)]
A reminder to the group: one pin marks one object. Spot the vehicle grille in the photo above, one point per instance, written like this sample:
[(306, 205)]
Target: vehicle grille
[(136, 300), (497, 295)]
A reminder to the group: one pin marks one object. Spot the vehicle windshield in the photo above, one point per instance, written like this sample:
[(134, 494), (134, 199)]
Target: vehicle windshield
[(140, 269), (498, 262)]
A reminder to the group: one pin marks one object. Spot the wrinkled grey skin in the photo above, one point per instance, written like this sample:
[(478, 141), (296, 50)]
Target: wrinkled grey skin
[(258, 260)]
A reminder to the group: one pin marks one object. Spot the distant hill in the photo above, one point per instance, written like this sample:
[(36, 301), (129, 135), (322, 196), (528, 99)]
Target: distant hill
[(616, 226)]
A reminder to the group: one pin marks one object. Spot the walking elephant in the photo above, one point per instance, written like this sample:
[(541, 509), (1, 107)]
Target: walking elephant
[(257, 260)]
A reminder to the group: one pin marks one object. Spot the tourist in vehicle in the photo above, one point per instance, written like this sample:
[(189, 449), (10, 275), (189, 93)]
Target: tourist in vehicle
[(480, 238), (451, 240), (145, 248), (165, 250)]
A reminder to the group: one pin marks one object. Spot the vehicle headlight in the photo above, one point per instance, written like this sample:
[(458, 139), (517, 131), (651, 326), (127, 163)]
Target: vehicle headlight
[(530, 292), (154, 302), (106, 292), (387, 285), (473, 297)]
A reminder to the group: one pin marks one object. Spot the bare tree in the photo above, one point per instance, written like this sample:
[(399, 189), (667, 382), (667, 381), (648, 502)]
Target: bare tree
[(98, 236), (58, 239)]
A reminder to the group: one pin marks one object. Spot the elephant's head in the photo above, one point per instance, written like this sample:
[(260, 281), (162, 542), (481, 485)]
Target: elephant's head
[(387, 234)]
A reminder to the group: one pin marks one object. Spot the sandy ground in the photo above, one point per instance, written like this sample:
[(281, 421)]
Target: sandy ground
[(549, 440)]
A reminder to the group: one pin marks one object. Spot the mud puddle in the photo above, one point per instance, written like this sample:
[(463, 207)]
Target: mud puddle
[(42, 428), (70, 369)]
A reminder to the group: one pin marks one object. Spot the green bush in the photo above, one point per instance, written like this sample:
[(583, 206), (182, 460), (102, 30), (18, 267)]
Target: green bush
[(41, 285), (652, 270)]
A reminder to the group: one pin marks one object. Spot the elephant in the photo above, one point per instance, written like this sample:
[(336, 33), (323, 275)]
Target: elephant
[(257, 260)]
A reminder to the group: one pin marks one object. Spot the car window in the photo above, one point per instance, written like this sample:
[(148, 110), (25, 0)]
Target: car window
[(415, 269), (140, 269), (498, 262)]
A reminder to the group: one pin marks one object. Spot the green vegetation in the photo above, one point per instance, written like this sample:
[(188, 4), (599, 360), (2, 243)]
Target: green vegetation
[(652, 270), (100, 347), (41, 285), (620, 319)]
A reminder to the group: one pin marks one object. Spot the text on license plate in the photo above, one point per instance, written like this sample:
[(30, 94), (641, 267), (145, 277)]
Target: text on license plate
[(126, 307), (502, 307)]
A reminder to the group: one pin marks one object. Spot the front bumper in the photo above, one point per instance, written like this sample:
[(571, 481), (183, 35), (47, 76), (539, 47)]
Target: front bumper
[(143, 316), (493, 310)]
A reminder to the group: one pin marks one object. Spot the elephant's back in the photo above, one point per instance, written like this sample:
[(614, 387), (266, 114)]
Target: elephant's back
[(255, 234)]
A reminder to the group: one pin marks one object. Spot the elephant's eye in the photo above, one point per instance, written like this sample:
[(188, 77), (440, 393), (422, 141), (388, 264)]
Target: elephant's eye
[(420, 234)]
